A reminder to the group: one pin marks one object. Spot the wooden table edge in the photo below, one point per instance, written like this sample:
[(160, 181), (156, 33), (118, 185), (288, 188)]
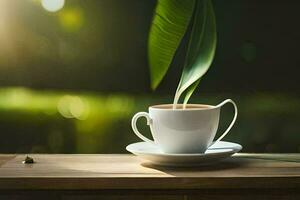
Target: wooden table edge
[(83, 183)]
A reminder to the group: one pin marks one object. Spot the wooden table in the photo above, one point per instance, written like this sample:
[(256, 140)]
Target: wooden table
[(91, 177)]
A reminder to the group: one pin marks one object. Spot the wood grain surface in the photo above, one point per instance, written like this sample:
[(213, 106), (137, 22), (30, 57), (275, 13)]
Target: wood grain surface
[(4, 158), (111, 171)]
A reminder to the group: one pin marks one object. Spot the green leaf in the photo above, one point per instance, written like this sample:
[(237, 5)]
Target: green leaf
[(201, 50), (189, 92), (170, 22)]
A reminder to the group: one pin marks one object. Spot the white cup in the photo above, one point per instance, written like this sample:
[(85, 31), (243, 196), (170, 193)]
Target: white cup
[(189, 130)]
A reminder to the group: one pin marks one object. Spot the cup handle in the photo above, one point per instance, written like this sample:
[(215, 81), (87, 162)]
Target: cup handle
[(134, 127), (233, 120)]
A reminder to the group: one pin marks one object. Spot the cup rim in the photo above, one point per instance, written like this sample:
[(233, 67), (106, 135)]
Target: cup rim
[(169, 107)]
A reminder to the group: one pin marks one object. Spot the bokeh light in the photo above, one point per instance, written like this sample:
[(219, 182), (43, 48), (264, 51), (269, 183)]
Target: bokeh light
[(73, 107), (78, 108), (71, 19), (53, 5)]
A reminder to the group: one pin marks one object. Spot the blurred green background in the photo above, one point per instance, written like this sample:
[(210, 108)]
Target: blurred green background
[(73, 73)]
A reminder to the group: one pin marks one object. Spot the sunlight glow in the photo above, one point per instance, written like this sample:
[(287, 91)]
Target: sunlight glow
[(53, 5)]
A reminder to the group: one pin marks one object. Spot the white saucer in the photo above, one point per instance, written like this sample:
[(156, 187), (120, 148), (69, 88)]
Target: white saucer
[(218, 151)]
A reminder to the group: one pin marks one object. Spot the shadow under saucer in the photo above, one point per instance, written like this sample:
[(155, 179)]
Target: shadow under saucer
[(228, 163)]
